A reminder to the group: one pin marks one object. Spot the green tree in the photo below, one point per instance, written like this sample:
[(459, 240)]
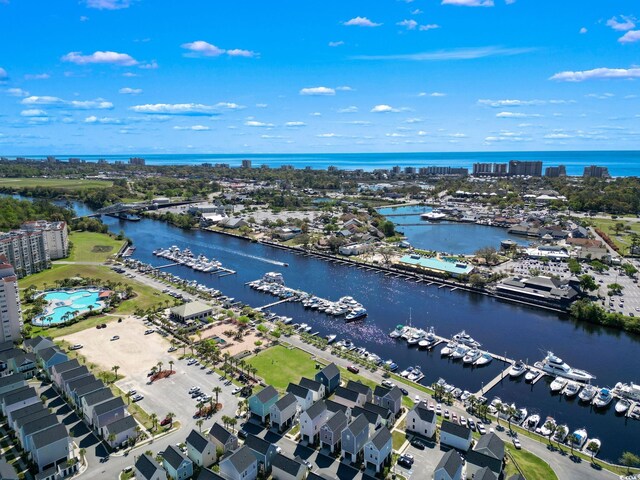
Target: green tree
[(629, 459), (587, 283), (592, 448)]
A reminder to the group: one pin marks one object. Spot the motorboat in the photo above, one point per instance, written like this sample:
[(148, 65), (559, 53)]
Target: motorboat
[(558, 384), (520, 416), (548, 427), (433, 216), (531, 375), (630, 390), (579, 437), (415, 375), (465, 396), (603, 398), (356, 314), (331, 338), (348, 344), (561, 433), (397, 332), (572, 389), (556, 366), (405, 373), (391, 365), (587, 393), (466, 339), (472, 356), (429, 340), (448, 349), (459, 352), (532, 422), (622, 406), (416, 337), (517, 369), (456, 393), (594, 445), (495, 404), (484, 359)]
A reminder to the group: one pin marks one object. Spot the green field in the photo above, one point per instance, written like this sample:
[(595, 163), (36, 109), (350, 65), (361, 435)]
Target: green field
[(92, 247), (533, 468), (623, 240), (279, 365), (59, 183)]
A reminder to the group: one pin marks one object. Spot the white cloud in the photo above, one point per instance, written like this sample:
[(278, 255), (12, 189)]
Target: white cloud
[(42, 100), (627, 23), (384, 109), (102, 120), (600, 96), (361, 22), (115, 58), (152, 65), (295, 124), (452, 54), (33, 112), (359, 122), (175, 109), (350, 109), (130, 91), (315, 114), (417, 11), (327, 135), (508, 103), (108, 4), (317, 91), (457, 135), (255, 123), (583, 30), (261, 105), (408, 24), (3, 74), (336, 44), (516, 115), (469, 3), (228, 106), (395, 135), (596, 73), (422, 133), (344, 88), (414, 120), (630, 37), (429, 26), (130, 74), (238, 52), (37, 76), (17, 92), (195, 128), (206, 49), (432, 94), (554, 136), (98, 104)]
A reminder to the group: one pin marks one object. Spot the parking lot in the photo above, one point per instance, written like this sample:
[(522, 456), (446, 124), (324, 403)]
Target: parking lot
[(424, 460)]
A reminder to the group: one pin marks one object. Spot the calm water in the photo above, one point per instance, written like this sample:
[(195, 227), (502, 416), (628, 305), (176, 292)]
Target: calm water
[(451, 237), (620, 163)]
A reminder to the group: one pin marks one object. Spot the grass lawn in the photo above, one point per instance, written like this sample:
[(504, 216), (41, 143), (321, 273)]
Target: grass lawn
[(92, 247), (622, 241), (61, 183), (532, 467), (279, 365), (398, 439)]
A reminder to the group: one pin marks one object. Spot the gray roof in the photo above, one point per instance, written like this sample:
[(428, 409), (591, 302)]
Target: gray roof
[(220, 433), (315, 476), (6, 355), (359, 387), (316, 409), (49, 436), (484, 474), (372, 417), (455, 429), (206, 474), (80, 382), (394, 393), (8, 345), (28, 410), (384, 412), (97, 397), (11, 379), (381, 438), (490, 445), (258, 444), (337, 422), (516, 476), (73, 373), (336, 407), (347, 394), (146, 465), (95, 385), (190, 309), (32, 417), (310, 384), (19, 395), (241, 459), (285, 401), (297, 390), (64, 366), (7, 472), (40, 424), (174, 457), (47, 353), (122, 425), (286, 464), (423, 412), (108, 406), (330, 371), (451, 462), (197, 440), (266, 394), (358, 425)]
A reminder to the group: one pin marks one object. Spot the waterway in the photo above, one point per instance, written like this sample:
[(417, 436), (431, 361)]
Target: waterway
[(518, 331), (450, 237)]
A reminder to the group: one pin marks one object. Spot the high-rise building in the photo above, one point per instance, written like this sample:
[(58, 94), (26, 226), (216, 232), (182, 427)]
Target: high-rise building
[(26, 251), (10, 311), (332, 168), (489, 169), (56, 236), (530, 168), (136, 161), (396, 170), (409, 170), (596, 172), (461, 171), (246, 163), (559, 171)]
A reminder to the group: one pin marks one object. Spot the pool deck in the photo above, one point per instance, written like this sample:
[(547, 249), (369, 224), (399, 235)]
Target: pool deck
[(68, 303)]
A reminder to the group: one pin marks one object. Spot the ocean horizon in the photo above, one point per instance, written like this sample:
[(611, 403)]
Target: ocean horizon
[(621, 163)]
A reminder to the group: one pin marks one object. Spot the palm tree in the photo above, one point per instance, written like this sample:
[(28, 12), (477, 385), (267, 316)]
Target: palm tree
[(160, 366), (217, 391), (233, 422), (225, 420), (561, 431), (592, 448), (551, 426), (498, 406), (170, 416), (510, 412), (199, 422), (111, 438), (171, 362), (571, 440), (115, 369), (154, 420), (138, 431)]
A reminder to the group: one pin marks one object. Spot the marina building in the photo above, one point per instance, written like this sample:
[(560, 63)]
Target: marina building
[(191, 311), (442, 266), (10, 311), (545, 290)]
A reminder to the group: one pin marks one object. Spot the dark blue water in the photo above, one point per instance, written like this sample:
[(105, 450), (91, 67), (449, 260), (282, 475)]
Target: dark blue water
[(450, 237), (620, 163)]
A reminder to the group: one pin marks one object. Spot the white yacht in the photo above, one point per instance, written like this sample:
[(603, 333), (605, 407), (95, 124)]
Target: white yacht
[(561, 433), (532, 422), (587, 393), (517, 369), (429, 340), (356, 314), (472, 356), (572, 389), (398, 331), (558, 384), (603, 398), (448, 349), (630, 391), (459, 352), (579, 438), (415, 374), (622, 406), (520, 416), (405, 373), (466, 339), (531, 375), (417, 336), (548, 427), (484, 359), (433, 216), (556, 366)]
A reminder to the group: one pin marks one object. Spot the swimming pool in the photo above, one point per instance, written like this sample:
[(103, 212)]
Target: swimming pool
[(64, 305)]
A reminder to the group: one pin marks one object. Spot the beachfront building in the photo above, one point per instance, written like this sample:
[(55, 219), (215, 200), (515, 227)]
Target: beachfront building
[(56, 236), (10, 311), (434, 265)]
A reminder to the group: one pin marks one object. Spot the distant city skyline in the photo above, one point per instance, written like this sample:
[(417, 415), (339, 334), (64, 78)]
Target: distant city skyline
[(140, 77)]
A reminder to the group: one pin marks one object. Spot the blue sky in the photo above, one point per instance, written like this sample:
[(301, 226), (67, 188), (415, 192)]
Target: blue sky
[(157, 76)]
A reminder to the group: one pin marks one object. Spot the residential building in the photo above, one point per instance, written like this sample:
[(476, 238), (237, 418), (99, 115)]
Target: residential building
[(146, 468), (260, 404), (304, 396), (484, 473), (331, 431), (60, 368), (195, 310), (222, 438), (240, 465), (449, 467), (377, 451), (23, 364), (595, 171), (69, 375), (200, 449), (334, 407), (82, 386), (316, 387), (530, 168), (354, 438), (123, 431), (89, 402), (488, 452), (56, 236), (107, 412), (206, 474), (554, 172), (421, 420), (285, 468), (51, 356), (390, 398), (28, 430), (10, 310), (329, 376), (454, 435), (312, 420), (386, 416), (362, 389), (176, 463), (25, 251), (349, 398), (263, 450), (23, 412), (283, 412), (51, 447), (137, 161), (373, 418), (18, 398), (246, 163), (9, 383)]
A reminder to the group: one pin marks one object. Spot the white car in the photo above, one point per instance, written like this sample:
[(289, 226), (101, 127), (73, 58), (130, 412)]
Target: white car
[(191, 361), (236, 390), (481, 429), (516, 443), (194, 389)]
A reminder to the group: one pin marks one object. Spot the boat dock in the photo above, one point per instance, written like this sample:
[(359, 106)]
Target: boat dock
[(497, 379), (225, 272), (274, 304), (167, 265)]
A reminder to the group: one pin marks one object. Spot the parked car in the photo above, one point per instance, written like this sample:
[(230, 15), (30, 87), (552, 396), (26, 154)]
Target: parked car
[(137, 398), (417, 444), (242, 433), (353, 369), (77, 346), (172, 349), (166, 421), (115, 337), (516, 443), (149, 331), (194, 389), (236, 390)]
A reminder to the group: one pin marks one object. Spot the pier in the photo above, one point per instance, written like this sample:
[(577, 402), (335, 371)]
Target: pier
[(167, 265), (274, 304), (494, 381)]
